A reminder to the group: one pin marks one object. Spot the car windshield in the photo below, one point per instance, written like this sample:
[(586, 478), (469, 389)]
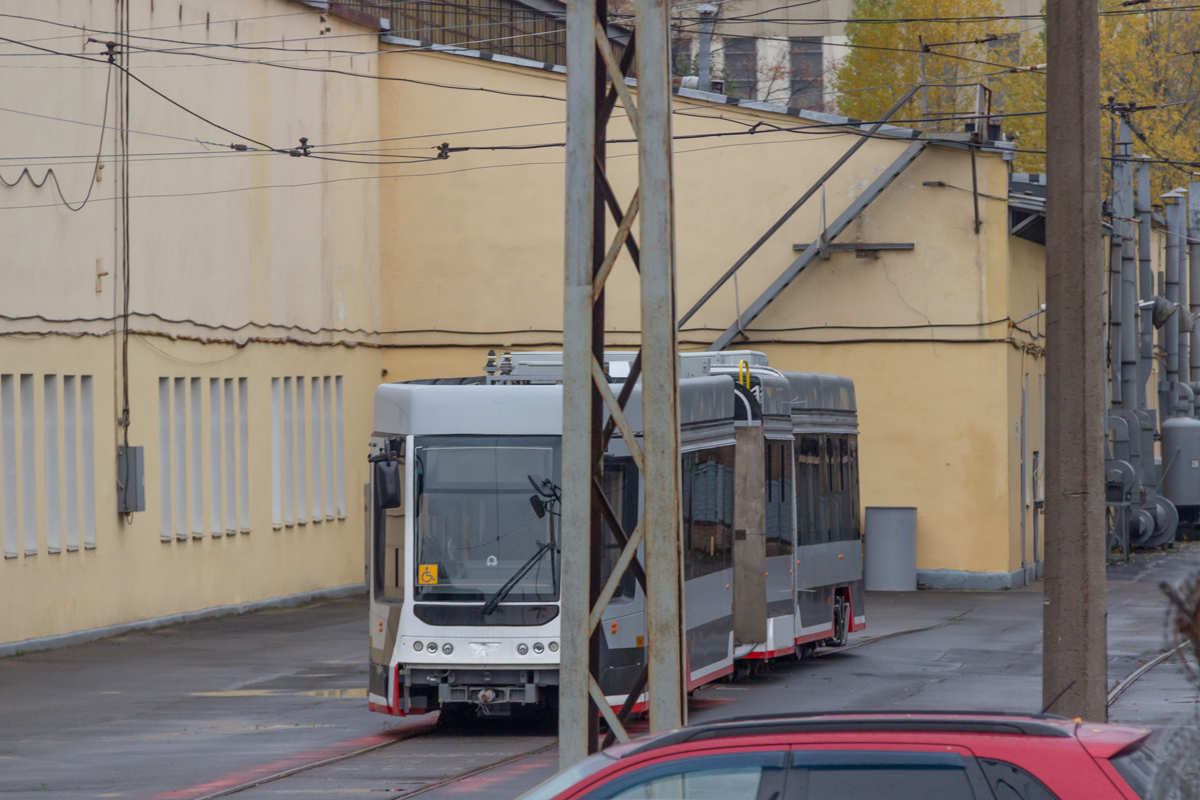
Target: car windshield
[(475, 526), (568, 777)]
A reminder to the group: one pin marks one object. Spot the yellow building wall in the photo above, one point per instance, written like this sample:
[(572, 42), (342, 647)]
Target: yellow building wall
[(924, 333), (244, 266), (258, 265)]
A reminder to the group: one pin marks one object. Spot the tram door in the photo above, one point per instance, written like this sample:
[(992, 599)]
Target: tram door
[(385, 545)]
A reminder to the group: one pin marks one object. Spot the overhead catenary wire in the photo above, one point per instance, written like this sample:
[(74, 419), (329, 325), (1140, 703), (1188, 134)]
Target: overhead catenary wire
[(950, 19), (52, 175), (415, 81)]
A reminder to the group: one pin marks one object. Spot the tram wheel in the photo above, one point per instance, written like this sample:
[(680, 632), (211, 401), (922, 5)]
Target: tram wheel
[(841, 624)]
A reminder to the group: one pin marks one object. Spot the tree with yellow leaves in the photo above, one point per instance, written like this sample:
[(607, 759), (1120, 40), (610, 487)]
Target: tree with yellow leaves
[(1148, 61), (884, 58)]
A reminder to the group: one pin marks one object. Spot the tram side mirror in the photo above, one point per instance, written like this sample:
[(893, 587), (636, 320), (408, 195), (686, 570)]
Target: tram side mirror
[(388, 493), (541, 485), (539, 506)]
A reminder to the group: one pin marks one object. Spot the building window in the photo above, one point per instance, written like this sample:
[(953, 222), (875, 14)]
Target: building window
[(206, 422), (682, 60), (741, 67), (68, 463), (808, 73), (308, 463)]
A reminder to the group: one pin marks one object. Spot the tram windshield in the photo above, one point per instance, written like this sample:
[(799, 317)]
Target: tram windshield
[(475, 526)]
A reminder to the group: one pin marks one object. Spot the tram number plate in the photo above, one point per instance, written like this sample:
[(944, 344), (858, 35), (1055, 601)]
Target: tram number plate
[(427, 575)]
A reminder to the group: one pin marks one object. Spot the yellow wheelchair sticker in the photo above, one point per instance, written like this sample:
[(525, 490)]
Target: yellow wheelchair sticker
[(427, 575)]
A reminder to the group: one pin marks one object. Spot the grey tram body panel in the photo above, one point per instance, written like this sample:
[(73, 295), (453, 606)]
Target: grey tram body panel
[(759, 577)]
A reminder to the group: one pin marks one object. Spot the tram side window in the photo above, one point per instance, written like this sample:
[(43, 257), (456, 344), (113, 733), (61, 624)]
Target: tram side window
[(855, 498), (833, 471), (779, 497), (621, 489), (808, 463), (389, 541), (707, 510)]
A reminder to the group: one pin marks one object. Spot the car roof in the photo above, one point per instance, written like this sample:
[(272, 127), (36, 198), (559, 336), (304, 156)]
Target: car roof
[(881, 722)]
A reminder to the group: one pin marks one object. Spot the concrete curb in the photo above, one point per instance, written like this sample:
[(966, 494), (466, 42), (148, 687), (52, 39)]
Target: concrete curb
[(954, 579), (79, 637)]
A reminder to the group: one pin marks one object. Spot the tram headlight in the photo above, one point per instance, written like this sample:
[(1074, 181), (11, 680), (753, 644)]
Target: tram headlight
[(554, 647), (447, 648), (538, 648), (522, 649), (432, 647), (418, 646)]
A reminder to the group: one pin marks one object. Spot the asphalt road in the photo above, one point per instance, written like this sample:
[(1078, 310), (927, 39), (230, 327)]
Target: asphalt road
[(193, 710)]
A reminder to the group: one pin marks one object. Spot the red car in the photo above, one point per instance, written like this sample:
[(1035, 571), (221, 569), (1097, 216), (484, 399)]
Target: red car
[(894, 756)]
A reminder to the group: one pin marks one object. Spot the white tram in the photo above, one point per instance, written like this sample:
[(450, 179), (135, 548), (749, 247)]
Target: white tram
[(463, 543)]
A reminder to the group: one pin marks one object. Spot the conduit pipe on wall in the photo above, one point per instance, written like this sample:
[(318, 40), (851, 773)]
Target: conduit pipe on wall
[(1193, 248)]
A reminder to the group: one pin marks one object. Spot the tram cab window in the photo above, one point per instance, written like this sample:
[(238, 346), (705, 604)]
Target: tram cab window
[(707, 511), (388, 536), (473, 523), (778, 457), (621, 489)]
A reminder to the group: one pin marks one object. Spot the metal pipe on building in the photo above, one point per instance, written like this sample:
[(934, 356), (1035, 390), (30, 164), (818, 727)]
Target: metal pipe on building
[(1114, 301), (704, 56), (1145, 281), (1174, 230), (1124, 210), (1193, 233)]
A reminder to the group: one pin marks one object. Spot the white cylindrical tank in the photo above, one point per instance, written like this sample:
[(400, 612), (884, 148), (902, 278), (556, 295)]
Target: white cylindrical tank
[(1181, 461)]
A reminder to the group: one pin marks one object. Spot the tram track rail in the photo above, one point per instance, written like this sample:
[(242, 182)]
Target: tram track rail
[(1132, 677), (362, 751), (835, 650)]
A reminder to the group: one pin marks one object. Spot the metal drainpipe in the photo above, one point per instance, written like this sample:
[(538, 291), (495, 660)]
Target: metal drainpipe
[(704, 57)]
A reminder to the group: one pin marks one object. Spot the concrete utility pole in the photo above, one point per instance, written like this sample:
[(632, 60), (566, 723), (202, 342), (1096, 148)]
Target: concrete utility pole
[(595, 82), (1074, 644)]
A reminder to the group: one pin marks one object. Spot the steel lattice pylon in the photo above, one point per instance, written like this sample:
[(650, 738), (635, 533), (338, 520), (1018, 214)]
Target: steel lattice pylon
[(595, 82)]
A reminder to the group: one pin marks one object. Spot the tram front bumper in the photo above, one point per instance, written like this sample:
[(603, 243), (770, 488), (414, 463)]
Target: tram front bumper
[(485, 687), (487, 695)]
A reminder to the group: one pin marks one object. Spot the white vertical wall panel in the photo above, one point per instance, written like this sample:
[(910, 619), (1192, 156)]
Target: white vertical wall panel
[(87, 456), (315, 409), (301, 454), (166, 532), (50, 460), (340, 452), (289, 457), (180, 465), (8, 463), (244, 451), (70, 462), (215, 429), (327, 405), (229, 420), (197, 471), (28, 467), (276, 453)]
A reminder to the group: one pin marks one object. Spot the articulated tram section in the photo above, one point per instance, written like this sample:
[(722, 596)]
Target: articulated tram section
[(465, 533)]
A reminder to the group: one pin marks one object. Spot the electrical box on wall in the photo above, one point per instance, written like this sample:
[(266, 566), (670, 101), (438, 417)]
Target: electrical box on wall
[(131, 480)]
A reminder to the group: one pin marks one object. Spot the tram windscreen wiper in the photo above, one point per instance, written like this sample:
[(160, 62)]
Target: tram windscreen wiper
[(502, 592)]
